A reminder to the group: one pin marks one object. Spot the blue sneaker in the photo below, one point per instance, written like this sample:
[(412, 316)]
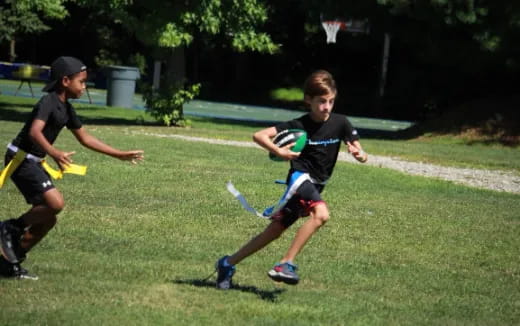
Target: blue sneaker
[(225, 274), (284, 272)]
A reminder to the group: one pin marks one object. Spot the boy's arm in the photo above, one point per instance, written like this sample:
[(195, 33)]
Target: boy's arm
[(97, 145), (36, 135), (264, 139), (357, 151)]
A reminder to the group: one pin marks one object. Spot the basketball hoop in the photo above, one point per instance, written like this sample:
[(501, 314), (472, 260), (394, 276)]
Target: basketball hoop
[(354, 27), (331, 27)]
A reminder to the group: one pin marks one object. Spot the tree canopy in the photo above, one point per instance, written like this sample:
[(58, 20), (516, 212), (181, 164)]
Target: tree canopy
[(442, 52), (22, 17), (172, 24)]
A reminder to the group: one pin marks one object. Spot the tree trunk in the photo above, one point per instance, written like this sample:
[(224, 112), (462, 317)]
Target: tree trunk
[(12, 53), (176, 68), (176, 72)]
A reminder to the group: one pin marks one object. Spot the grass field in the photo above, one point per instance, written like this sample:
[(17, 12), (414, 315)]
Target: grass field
[(135, 244), (445, 150)]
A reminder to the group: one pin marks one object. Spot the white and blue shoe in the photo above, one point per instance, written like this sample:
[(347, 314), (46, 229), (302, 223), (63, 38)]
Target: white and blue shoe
[(284, 272)]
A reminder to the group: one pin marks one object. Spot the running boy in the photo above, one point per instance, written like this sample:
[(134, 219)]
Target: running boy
[(308, 174), (28, 149)]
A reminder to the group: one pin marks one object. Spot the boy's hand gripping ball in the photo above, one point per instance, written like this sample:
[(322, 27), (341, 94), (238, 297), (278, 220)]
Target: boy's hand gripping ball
[(289, 136)]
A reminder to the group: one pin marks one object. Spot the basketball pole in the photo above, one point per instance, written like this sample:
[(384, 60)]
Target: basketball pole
[(156, 75), (384, 64)]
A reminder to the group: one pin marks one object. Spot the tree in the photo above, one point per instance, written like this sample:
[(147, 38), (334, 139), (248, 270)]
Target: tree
[(443, 52), (20, 17), (170, 26)]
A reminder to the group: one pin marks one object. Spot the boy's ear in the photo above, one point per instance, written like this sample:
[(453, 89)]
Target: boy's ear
[(65, 81), (307, 99)]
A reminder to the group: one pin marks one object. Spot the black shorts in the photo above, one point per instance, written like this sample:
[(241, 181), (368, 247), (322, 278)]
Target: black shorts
[(31, 179), (306, 196)]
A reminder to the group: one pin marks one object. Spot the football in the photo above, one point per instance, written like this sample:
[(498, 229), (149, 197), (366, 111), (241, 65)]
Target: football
[(289, 136)]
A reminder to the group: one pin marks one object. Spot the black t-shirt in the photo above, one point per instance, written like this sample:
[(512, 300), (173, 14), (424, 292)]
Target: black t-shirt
[(319, 156), (56, 115)]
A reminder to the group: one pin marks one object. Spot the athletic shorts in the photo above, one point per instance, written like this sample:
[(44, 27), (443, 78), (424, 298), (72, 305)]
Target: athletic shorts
[(302, 195), (31, 179)]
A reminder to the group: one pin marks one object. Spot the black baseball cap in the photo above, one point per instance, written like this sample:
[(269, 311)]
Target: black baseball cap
[(61, 67)]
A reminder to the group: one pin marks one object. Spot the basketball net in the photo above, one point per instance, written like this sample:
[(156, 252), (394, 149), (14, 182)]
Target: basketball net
[(331, 28)]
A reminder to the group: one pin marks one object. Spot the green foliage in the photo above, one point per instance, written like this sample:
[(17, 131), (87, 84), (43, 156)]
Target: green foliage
[(490, 23), (25, 16), (176, 23), (19, 17), (287, 94), (173, 35), (47, 8), (250, 40), (138, 60), (166, 105), (106, 58)]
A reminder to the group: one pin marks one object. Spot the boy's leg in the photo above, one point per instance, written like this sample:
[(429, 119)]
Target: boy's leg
[(40, 219), (18, 236), (226, 265), (319, 215), (285, 271), (270, 233)]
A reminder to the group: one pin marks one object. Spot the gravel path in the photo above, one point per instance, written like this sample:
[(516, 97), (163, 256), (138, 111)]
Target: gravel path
[(486, 179)]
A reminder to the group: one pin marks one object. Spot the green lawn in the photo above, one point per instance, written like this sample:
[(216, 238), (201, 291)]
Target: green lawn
[(448, 151), (135, 244)]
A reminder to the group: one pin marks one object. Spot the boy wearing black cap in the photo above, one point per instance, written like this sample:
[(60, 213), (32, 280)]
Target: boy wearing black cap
[(25, 164)]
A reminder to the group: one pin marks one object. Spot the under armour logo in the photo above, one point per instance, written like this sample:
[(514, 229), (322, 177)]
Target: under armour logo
[(47, 184)]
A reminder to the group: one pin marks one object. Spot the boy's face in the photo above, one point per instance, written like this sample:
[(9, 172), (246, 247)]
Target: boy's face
[(321, 106), (75, 85)]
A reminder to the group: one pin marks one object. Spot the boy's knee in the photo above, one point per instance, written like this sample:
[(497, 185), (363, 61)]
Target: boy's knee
[(54, 201), (322, 218), (56, 208), (56, 205), (321, 215)]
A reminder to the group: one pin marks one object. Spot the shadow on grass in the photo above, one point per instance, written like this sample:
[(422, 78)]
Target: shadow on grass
[(11, 112), (270, 296)]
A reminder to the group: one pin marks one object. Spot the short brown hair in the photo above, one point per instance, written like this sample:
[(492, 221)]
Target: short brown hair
[(319, 83)]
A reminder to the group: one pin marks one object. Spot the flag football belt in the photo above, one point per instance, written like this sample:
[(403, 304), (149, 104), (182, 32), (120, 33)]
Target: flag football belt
[(295, 181), (21, 155)]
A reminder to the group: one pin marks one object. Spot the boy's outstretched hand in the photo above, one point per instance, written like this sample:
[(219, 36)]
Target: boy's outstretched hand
[(132, 156), (62, 158), (357, 152)]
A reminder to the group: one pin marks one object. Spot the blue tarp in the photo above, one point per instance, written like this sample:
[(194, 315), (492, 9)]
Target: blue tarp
[(24, 71)]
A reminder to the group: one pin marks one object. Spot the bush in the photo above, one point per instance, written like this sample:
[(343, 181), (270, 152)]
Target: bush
[(166, 105), (287, 94)]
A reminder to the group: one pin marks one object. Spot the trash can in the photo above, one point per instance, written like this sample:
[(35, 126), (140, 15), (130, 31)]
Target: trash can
[(121, 85)]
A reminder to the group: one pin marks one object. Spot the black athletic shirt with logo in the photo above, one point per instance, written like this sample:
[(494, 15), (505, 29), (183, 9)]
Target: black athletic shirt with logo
[(56, 115), (324, 139)]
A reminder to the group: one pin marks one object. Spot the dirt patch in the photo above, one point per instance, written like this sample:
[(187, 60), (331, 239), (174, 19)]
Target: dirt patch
[(485, 179)]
